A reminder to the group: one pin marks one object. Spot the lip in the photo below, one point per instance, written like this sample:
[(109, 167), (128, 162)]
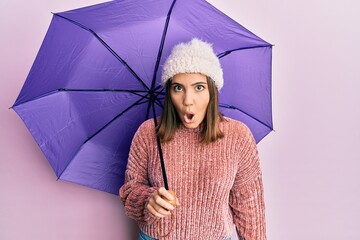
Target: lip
[(186, 119), (189, 112)]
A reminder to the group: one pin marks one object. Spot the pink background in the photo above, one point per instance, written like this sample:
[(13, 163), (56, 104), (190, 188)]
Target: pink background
[(311, 163)]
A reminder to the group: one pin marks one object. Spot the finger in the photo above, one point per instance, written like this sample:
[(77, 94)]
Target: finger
[(163, 203), (158, 208), (163, 192), (154, 212), (161, 210), (177, 202)]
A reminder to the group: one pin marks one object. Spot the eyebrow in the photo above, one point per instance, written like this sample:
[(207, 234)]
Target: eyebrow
[(197, 83)]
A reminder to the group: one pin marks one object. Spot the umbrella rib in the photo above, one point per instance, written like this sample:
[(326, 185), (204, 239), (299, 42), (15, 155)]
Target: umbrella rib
[(37, 97), (142, 102), (135, 92), (97, 132), (223, 54), (157, 99), (162, 43), (116, 117), (154, 93), (107, 47), (235, 108)]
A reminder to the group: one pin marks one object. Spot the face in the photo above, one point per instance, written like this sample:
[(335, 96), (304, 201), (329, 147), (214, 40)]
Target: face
[(189, 94)]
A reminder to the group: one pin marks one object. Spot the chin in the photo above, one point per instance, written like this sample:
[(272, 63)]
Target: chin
[(191, 125)]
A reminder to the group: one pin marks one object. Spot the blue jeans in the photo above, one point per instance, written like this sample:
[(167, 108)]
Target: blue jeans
[(143, 236)]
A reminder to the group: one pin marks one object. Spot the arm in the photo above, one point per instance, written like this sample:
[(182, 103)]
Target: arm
[(246, 196), (136, 191)]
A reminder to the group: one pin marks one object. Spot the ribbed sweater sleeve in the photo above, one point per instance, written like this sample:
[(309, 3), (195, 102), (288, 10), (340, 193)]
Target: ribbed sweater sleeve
[(136, 191), (246, 196)]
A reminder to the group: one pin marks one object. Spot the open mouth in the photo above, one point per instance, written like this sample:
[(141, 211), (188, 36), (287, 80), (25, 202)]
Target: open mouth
[(189, 117)]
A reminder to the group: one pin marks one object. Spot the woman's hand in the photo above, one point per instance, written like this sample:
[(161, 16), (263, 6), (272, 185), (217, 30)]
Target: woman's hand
[(159, 204)]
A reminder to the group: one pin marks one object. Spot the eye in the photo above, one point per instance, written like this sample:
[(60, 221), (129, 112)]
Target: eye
[(177, 88), (199, 87)]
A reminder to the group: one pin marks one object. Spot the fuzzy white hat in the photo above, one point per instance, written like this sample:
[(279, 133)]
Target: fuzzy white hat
[(195, 56)]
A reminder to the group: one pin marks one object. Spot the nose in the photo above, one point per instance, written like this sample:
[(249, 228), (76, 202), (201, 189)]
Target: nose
[(188, 98)]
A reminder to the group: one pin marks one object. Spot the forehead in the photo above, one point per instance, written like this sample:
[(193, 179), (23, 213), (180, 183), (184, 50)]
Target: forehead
[(189, 78)]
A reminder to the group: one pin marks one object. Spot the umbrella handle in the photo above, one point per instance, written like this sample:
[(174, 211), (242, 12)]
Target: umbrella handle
[(173, 217)]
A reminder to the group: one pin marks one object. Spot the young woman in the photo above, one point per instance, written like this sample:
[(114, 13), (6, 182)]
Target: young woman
[(211, 161)]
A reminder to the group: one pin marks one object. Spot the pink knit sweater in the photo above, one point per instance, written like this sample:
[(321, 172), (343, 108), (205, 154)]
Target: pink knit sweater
[(217, 184)]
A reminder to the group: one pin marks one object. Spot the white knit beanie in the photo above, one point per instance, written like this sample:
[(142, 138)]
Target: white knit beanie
[(195, 56)]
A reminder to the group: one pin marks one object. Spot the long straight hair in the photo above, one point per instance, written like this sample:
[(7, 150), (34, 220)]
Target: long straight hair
[(170, 121)]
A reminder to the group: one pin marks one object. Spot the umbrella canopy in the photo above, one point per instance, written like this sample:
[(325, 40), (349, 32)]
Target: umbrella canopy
[(96, 78)]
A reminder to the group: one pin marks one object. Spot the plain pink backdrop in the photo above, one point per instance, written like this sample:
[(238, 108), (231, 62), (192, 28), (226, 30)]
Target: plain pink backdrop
[(311, 163)]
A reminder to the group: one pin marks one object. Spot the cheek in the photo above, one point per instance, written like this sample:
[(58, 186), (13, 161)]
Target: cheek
[(175, 101), (205, 101)]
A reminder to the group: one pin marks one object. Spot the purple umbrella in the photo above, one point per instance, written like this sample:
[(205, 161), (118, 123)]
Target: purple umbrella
[(97, 76)]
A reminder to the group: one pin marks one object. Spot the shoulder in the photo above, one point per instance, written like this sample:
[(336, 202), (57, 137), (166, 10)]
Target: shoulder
[(146, 127), (237, 130), (144, 137), (232, 126)]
